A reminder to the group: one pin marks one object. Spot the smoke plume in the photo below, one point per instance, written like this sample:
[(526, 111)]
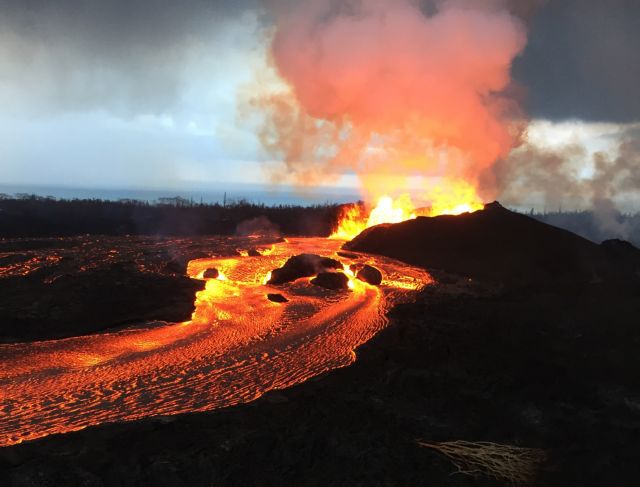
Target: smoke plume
[(557, 176), (393, 90)]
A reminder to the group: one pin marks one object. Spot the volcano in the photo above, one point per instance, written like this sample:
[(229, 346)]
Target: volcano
[(499, 245)]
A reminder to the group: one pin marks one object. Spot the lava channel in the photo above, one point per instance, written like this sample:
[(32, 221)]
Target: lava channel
[(237, 346)]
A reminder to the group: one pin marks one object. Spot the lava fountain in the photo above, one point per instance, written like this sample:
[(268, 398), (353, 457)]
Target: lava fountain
[(458, 197), (417, 103)]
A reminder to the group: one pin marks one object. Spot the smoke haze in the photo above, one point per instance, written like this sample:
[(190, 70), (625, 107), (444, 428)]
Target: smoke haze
[(559, 176)]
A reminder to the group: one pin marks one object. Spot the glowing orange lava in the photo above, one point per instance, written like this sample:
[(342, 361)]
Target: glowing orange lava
[(237, 346), (450, 198), (453, 198)]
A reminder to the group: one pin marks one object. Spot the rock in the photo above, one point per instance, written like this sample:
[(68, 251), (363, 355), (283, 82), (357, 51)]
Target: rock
[(253, 253), (211, 273), (370, 274), (331, 280), (303, 265), (277, 298)]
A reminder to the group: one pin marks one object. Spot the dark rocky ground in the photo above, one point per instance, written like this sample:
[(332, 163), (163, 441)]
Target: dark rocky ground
[(56, 288), (59, 287), (551, 364)]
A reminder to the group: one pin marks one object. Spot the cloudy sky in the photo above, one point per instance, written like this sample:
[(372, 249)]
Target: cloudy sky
[(122, 93)]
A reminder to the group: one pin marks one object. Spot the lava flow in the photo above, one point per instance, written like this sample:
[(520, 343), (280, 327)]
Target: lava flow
[(237, 346)]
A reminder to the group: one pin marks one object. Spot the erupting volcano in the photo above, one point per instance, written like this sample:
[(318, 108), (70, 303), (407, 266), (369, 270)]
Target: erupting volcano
[(417, 106), (276, 254)]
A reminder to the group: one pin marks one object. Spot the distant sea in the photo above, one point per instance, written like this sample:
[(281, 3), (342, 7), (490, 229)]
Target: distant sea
[(253, 193)]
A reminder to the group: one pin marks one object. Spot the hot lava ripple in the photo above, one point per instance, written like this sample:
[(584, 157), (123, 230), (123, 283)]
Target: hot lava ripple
[(237, 346)]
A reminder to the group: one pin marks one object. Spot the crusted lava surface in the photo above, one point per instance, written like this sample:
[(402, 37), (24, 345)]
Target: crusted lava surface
[(61, 287)]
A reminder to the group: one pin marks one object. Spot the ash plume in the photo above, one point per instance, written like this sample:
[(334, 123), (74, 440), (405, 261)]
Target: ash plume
[(393, 90)]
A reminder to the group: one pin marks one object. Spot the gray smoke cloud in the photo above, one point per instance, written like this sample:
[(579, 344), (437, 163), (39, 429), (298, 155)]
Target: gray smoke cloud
[(126, 56), (558, 176)]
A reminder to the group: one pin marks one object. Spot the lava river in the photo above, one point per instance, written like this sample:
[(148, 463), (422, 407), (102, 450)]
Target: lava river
[(237, 346)]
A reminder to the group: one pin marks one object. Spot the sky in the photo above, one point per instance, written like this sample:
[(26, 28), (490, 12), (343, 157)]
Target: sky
[(132, 93)]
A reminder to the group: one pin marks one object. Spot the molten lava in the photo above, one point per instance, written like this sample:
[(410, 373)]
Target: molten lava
[(454, 198), (354, 219), (238, 345), (450, 198)]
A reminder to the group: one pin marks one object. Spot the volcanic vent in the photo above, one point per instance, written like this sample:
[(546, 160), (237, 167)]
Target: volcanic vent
[(499, 245)]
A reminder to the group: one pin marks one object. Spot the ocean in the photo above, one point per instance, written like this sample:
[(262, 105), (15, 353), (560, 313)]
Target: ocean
[(253, 193)]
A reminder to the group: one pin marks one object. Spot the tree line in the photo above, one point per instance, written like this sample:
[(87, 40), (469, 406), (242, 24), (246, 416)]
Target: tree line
[(36, 216)]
